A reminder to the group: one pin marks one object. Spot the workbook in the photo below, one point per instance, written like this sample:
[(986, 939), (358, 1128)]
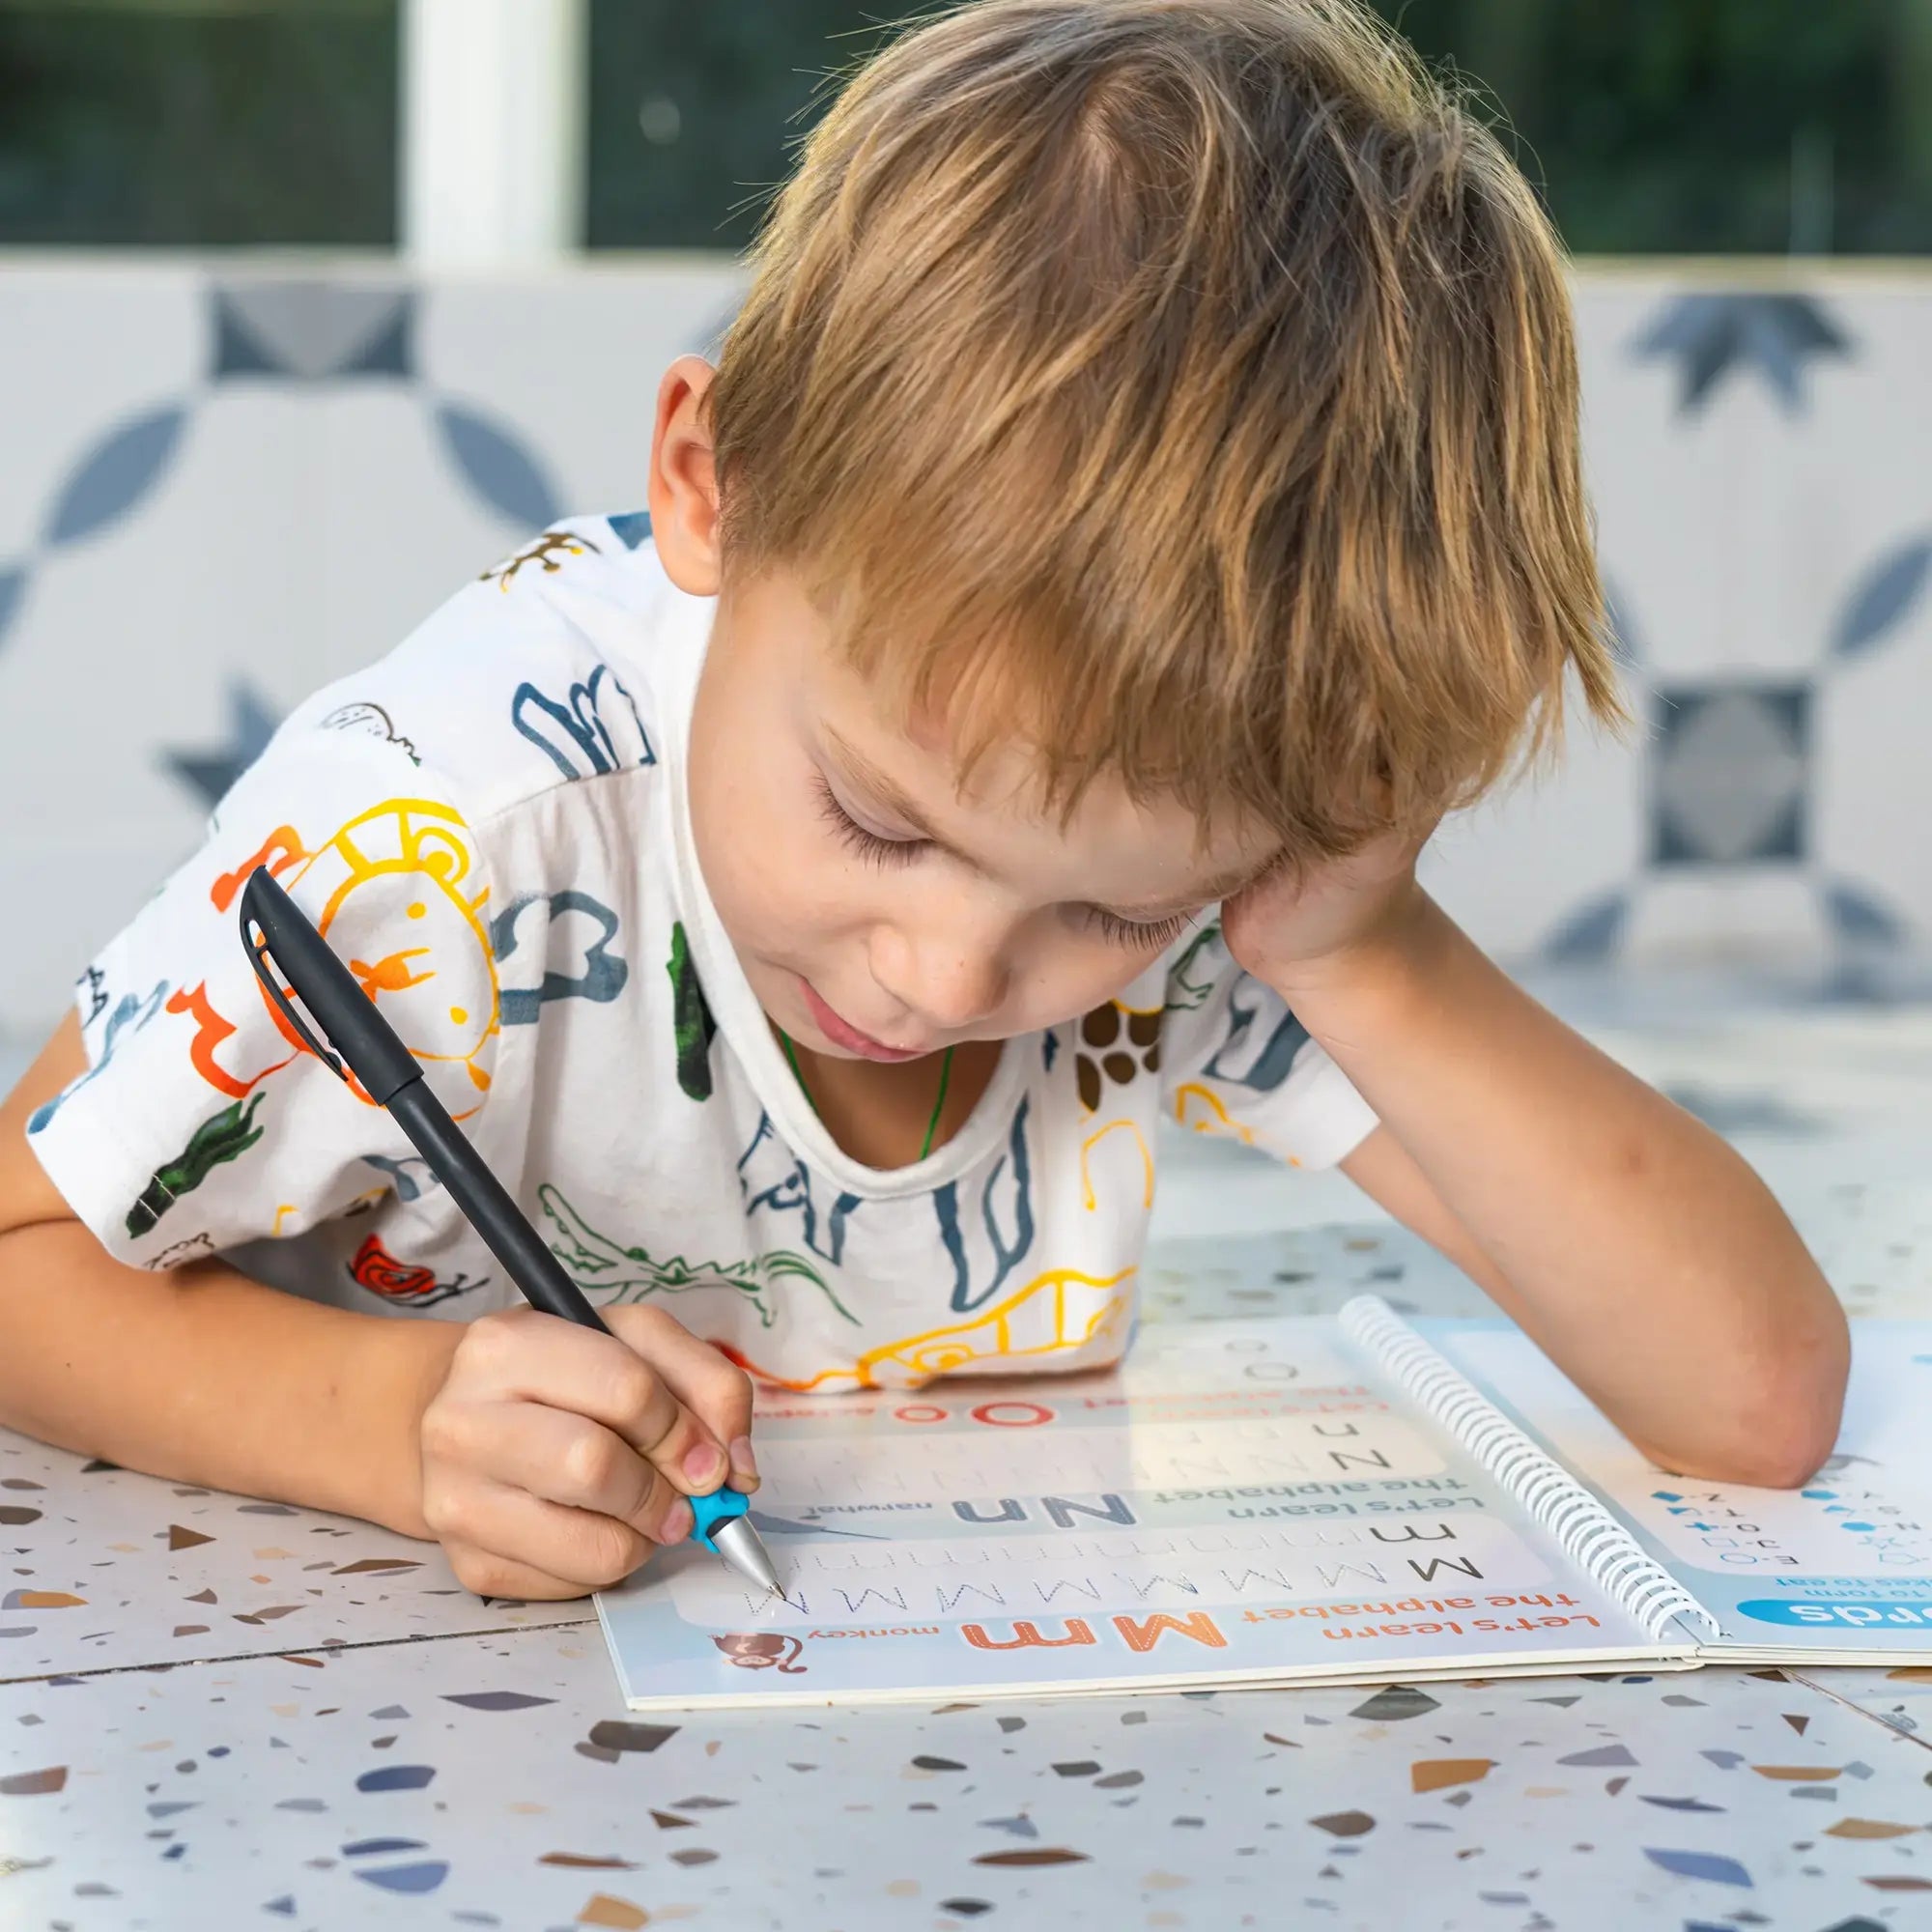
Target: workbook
[(1304, 1500)]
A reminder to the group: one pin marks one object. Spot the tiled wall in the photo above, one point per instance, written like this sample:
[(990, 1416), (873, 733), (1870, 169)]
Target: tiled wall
[(222, 485), (1758, 453)]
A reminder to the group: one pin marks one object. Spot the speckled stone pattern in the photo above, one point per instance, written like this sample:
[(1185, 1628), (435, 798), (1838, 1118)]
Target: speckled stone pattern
[(124, 1567), (219, 1712), (492, 1782)]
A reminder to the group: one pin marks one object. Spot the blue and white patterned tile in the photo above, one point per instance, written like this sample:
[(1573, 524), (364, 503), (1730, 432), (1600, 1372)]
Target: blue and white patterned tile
[(1675, 487), (121, 693), (1513, 869), (1764, 524), (1759, 495), (572, 365), (382, 561), (84, 345), (341, 326), (1872, 801)]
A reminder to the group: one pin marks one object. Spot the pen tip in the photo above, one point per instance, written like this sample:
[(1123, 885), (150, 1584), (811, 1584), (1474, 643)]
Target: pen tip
[(741, 1547)]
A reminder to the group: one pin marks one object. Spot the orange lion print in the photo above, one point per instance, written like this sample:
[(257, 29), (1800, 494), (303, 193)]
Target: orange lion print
[(763, 1650)]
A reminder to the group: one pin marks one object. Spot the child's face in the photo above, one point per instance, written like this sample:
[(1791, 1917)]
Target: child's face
[(881, 913)]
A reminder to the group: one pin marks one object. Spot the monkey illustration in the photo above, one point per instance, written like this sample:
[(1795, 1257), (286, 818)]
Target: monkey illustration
[(762, 1651)]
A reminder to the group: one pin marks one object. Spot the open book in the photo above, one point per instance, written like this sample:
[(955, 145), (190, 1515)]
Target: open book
[(1289, 1501)]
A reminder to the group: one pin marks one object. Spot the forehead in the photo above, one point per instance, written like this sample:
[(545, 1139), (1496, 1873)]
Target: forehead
[(966, 746), (997, 808)]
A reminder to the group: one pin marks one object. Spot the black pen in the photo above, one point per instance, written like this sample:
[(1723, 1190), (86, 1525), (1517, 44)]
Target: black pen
[(391, 1076)]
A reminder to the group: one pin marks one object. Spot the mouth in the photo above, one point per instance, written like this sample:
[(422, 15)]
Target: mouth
[(846, 1037)]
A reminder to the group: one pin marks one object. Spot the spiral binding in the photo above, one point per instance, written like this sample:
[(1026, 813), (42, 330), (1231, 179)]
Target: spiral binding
[(1588, 1533)]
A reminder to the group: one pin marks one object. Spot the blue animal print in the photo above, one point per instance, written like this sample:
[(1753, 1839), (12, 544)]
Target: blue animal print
[(595, 729), (771, 1176), (599, 975), (95, 982), (1185, 993), (130, 1015), (1263, 1037), (989, 1244), (411, 1176)]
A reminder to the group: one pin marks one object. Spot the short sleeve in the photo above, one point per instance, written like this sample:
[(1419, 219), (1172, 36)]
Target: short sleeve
[(201, 1123), (1236, 1062)]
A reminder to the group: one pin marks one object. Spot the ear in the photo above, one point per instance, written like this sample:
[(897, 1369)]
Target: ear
[(683, 480)]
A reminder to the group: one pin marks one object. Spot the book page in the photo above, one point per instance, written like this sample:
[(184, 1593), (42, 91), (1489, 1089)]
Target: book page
[(1845, 1562), (1246, 1501)]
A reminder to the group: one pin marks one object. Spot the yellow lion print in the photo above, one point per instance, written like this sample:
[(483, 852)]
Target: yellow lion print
[(1203, 1110), (409, 851)]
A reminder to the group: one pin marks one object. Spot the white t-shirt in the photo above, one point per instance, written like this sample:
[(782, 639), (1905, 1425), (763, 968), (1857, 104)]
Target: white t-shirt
[(491, 825)]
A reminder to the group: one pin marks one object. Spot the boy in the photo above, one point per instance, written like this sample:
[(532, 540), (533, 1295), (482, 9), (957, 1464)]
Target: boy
[(1143, 478)]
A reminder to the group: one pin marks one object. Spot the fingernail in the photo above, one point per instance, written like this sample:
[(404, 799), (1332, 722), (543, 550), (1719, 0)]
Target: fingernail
[(676, 1525), (703, 1464), (741, 1465)]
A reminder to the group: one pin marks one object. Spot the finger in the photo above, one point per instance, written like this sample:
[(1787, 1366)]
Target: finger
[(521, 1354), (572, 1545), (715, 1390), (489, 1574), (563, 1458)]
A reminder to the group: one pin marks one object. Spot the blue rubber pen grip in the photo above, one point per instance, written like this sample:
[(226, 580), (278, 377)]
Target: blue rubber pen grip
[(708, 1512)]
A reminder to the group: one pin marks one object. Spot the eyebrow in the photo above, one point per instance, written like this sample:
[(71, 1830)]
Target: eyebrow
[(894, 796), (1224, 886)]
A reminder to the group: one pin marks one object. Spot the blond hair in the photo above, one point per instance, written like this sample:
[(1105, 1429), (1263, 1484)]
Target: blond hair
[(1188, 386)]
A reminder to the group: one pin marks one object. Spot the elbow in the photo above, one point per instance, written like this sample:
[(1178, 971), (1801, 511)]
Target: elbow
[(1781, 1420), (1783, 1453)]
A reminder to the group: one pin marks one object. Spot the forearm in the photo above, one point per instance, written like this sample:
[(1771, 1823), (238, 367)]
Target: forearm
[(205, 1376), (1641, 1252)]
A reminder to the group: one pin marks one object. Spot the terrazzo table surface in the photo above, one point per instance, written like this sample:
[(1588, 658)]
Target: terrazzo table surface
[(219, 1712)]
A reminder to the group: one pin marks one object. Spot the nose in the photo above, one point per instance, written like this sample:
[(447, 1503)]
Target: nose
[(952, 972)]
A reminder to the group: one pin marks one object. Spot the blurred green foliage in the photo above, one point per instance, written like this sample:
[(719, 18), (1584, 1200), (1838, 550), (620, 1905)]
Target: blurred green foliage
[(1673, 126), (213, 123), (1650, 125)]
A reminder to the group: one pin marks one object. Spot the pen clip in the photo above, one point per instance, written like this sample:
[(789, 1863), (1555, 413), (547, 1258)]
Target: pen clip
[(293, 960), (260, 959)]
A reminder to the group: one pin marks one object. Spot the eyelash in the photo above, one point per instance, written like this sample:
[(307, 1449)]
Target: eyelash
[(1154, 936), (867, 845)]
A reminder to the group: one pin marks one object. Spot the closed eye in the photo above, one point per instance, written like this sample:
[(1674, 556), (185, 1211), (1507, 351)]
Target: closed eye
[(874, 849), (867, 844), (1148, 935)]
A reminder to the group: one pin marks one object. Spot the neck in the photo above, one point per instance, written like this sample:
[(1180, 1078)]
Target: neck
[(880, 1114)]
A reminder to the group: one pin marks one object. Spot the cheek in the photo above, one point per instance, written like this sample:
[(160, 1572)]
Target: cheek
[(1069, 975), (766, 857)]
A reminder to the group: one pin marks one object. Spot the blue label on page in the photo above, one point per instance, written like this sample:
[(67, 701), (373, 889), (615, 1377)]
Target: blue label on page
[(1848, 1615)]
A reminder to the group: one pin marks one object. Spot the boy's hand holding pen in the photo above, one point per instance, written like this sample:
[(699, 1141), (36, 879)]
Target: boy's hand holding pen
[(555, 1459), (558, 1450)]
